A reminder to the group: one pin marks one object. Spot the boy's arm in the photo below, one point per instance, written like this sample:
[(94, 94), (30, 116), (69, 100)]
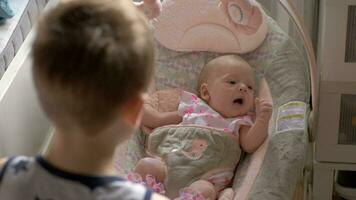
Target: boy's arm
[(152, 118), (252, 137)]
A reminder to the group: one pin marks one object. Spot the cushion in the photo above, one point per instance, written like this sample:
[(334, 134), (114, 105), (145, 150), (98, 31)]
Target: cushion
[(224, 26)]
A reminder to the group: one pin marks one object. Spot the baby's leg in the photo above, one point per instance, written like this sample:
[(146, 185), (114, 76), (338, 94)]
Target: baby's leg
[(205, 188), (226, 194), (150, 172), (151, 166)]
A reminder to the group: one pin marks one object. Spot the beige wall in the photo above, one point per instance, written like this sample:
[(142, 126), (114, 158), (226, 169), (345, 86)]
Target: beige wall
[(308, 10)]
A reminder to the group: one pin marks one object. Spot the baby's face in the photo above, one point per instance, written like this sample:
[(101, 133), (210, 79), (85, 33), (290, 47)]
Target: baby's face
[(231, 89)]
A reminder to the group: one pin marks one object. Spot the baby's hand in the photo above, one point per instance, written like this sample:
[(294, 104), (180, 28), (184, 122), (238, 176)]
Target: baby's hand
[(263, 110)]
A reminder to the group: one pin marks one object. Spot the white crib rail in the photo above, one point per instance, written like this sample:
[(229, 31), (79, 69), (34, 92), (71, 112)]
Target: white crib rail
[(23, 127)]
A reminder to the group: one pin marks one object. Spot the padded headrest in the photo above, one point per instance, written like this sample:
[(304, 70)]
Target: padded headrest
[(223, 26)]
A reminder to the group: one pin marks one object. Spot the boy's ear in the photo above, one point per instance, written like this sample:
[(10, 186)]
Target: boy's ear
[(131, 111), (204, 92)]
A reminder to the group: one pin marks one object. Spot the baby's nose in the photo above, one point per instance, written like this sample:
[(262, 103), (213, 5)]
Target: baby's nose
[(242, 88)]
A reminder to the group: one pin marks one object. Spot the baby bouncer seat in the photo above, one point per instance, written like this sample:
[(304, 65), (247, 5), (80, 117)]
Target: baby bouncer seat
[(286, 65), (189, 33)]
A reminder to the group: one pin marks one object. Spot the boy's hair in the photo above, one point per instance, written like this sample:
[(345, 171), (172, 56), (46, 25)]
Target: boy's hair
[(89, 58)]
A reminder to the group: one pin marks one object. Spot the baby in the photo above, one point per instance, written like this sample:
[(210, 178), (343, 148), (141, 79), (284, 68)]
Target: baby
[(224, 103)]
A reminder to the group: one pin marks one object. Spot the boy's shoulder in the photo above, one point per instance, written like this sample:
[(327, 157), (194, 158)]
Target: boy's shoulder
[(2, 165), (2, 162), (26, 177)]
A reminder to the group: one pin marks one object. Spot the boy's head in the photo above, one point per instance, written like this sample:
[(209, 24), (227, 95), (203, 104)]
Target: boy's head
[(227, 85), (92, 60)]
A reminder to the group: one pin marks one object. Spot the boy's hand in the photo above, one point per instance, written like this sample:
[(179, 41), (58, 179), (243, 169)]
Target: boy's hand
[(263, 110)]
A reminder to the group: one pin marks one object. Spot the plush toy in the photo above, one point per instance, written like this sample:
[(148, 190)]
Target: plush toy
[(223, 26), (151, 8)]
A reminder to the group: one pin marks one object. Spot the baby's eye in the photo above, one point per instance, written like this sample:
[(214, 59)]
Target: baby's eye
[(232, 82), (250, 87)]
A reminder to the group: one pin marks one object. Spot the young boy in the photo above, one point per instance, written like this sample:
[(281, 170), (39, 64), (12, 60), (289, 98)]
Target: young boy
[(92, 61)]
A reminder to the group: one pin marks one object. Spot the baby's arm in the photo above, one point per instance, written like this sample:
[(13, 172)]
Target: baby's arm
[(156, 196), (152, 118), (252, 137)]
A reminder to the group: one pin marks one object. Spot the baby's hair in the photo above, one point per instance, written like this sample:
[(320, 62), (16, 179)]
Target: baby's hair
[(209, 67), (89, 58)]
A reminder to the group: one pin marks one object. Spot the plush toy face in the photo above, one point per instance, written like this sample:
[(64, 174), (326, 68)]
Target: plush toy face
[(224, 26), (151, 8), (246, 18)]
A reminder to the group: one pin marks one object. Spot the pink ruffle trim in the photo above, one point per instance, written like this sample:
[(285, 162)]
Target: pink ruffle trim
[(189, 194), (150, 182)]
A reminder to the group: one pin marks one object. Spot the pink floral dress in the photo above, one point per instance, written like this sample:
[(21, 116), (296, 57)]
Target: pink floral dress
[(195, 111)]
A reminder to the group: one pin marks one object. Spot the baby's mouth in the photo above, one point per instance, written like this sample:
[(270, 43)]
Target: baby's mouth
[(239, 101)]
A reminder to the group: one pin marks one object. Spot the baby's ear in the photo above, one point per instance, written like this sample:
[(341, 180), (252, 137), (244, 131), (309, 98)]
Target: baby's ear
[(131, 112), (204, 92)]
